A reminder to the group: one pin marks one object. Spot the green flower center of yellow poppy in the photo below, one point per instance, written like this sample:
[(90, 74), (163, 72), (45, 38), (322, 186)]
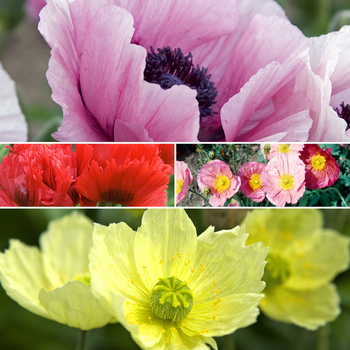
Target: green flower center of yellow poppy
[(179, 184), (171, 299), (286, 181), (85, 278), (318, 162), (221, 183), (284, 148), (277, 270), (255, 182)]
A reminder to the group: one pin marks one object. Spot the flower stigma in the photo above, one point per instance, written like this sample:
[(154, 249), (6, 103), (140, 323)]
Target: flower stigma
[(169, 67), (255, 182), (344, 113), (284, 148), (179, 184), (84, 278), (171, 299), (318, 162), (277, 270), (221, 183), (286, 181)]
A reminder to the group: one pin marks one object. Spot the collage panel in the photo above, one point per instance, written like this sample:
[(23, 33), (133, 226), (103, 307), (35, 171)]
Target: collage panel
[(70, 175), (263, 175), (127, 278)]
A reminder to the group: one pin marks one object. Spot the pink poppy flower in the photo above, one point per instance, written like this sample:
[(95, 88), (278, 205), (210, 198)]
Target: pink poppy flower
[(322, 170), (284, 148), (217, 176), (253, 69), (250, 174), (284, 179), (110, 88), (13, 126), (33, 7), (183, 180), (326, 82)]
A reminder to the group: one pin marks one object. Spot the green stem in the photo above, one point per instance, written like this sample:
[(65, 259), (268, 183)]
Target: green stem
[(200, 196), (234, 159), (323, 338), (339, 194), (82, 340), (229, 342)]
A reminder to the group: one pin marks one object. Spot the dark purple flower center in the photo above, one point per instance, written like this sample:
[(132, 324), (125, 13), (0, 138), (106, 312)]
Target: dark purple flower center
[(344, 113), (170, 67)]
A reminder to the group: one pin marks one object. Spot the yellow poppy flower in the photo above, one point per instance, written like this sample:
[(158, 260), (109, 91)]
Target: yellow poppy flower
[(55, 282), (171, 289), (303, 258)]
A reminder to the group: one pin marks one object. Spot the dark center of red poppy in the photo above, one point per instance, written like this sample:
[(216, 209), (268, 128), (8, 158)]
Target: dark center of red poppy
[(22, 195), (117, 196), (344, 113), (169, 67)]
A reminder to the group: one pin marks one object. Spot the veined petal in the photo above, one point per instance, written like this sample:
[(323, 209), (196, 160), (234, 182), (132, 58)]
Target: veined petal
[(22, 276), (165, 243), (73, 304), (309, 309), (213, 278), (115, 54), (65, 247), (13, 125), (319, 259), (112, 265), (232, 312)]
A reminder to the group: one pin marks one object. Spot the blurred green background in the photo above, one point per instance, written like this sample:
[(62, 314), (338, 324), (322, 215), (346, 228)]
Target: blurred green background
[(25, 54), (21, 329)]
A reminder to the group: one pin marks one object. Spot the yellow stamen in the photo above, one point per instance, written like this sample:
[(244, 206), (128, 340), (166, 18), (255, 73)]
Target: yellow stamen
[(255, 182), (286, 182), (221, 183), (318, 162), (179, 184)]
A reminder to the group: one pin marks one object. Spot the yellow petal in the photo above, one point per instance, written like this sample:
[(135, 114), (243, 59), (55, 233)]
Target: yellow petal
[(309, 309), (321, 257), (223, 316), (224, 265), (74, 305), (22, 277), (112, 264), (65, 246), (164, 243), (277, 228)]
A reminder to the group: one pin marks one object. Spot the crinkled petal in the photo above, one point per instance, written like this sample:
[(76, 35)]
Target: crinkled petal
[(309, 309), (22, 276), (73, 304), (13, 126), (65, 247), (317, 260), (166, 240)]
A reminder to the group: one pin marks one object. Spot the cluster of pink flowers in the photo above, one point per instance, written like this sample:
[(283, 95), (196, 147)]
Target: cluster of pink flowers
[(290, 168)]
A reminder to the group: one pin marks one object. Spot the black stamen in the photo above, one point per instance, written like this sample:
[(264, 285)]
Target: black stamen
[(170, 67), (344, 113)]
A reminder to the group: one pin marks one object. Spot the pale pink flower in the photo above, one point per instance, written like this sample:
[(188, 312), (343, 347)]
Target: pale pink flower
[(284, 179), (13, 126), (253, 68), (217, 176), (98, 60), (33, 7), (183, 180), (251, 186), (284, 148), (326, 82)]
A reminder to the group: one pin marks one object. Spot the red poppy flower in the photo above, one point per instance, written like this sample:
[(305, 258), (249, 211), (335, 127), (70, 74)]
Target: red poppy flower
[(167, 153), (322, 169), (131, 175), (38, 175)]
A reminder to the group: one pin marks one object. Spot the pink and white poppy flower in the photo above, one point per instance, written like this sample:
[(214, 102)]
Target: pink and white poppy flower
[(183, 180), (284, 179), (326, 82), (217, 176), (99, 63), (250, 174), (13, 126), (283, 148)]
